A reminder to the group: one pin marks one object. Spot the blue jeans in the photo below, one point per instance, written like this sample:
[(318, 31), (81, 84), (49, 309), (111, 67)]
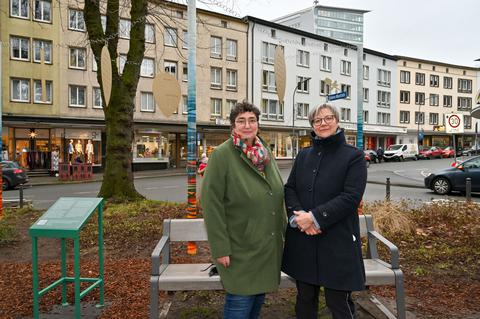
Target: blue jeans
[(243, 307)]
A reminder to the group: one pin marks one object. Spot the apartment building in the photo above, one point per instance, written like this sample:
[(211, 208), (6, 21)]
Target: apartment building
[(428, 90), (73, 110)]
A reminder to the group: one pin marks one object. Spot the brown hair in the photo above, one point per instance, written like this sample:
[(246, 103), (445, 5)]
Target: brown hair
[(240, 108)]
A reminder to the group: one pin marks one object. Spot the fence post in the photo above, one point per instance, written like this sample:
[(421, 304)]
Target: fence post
[(387, 189), (468, 189), (21, 195)]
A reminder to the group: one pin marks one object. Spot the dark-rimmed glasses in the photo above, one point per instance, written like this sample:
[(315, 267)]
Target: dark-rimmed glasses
[(327, 120)]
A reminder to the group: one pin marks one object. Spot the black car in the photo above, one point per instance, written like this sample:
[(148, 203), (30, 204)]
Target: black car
[(454, 178), (13, 175)]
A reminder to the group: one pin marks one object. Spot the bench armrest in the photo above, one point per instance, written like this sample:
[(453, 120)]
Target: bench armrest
[(161, 249), (374, 235)]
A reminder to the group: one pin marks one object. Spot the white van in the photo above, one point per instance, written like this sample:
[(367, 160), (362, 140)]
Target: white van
[(399, 152)]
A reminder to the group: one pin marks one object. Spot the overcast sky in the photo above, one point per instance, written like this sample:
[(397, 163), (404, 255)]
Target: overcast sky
[(439, 30)]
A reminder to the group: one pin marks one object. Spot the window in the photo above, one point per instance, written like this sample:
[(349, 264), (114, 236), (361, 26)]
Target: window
[(419, 78), (170, 67), (178, 14), (325, 63), (170, 37), (47, 49), (216, 47), (434, 80), (447, 101), (366, 92), (103, 21), (230, 105), (216, 78), (303, 58), (268, 52), (346, 88), (405, 97), (20, 8), (345, 67), (464, 86), (345, 52), (124, 28), (78, 58), (224, 24), (77, 95), (383, 118), (43, 10), (185, 104), (147, 68), (97, 98), (405, 77), (185, 72), (383, 99), (433, 119), (273, 33), (447, 82), (122, 60), (76, 21), (419, 118), (365, 117), (38, 90), (20, 90), (302, 40), (231, 49), (146, 102), (231, 80), (149, 33), (464, 103), (325, 47), (404, 117), (272, 110), (216, 110), (345, 114), (366, 72), (467, 121), (419, 98), (185, 39), (434, 99), (268, 81), (302, 110), (20, 48), (324, 88), (384, 77), (303, 84)]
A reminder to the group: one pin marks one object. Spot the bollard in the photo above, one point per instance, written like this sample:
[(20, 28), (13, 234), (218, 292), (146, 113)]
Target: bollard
[(21, 195), (387, 195), (468, 189)]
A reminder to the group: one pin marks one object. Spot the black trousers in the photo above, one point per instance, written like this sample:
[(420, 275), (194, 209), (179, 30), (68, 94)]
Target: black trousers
[(338, 302)]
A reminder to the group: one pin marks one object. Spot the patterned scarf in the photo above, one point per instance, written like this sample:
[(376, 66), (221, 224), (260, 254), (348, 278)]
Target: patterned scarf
[(256, 153)]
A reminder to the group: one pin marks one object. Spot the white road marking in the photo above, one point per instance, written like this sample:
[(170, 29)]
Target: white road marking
[(170, 186), (83, 193), (149, 188)]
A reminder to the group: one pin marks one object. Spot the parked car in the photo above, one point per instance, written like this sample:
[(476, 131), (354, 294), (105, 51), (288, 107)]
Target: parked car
[(474, 150), (454, 178), (431, 152), (449, 152), (400, 152), (13, 175), (373, 155)]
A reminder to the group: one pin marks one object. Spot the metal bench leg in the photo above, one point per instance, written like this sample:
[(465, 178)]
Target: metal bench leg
[(76, 271), (154, 297), (400, 294), (36, 296), (64, 273)]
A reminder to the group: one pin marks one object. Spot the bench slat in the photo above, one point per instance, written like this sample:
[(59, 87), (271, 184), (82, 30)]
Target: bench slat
[(188, 230)]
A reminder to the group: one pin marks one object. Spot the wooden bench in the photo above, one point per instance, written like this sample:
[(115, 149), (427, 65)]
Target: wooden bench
[(180, 277)]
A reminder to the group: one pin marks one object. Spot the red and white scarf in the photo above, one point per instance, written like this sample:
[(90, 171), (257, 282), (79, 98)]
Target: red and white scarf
[(256, 153)]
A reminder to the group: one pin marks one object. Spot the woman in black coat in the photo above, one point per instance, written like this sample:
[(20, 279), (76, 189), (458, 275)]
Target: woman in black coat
[(322, 194)]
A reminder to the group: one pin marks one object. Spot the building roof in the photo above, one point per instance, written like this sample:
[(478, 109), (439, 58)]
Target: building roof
[(400, 57), (324, 7), (380, 54)]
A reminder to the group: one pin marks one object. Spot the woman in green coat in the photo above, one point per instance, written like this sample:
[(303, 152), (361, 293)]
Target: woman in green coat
[(242, 200)]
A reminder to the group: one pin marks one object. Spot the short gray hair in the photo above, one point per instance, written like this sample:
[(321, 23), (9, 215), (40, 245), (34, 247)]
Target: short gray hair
[(316, 109)]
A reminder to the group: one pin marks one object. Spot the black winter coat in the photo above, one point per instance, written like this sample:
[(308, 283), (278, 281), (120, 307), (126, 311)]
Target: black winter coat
[(327, 179)]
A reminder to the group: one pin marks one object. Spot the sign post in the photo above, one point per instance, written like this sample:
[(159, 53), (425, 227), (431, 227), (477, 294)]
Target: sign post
[(454, 124)]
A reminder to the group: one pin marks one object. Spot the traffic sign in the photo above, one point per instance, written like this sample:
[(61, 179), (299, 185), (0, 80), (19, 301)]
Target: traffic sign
[(337, 96), (454, 123)]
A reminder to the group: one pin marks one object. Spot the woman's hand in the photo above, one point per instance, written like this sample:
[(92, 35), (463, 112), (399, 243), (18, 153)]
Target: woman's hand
[(313, 230), (303, 219), (224, 261)]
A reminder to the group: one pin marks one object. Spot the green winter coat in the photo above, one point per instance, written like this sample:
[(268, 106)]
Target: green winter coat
[(245, 219)]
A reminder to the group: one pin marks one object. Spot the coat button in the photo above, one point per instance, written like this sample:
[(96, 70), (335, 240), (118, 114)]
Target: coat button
[(309, 189), (319, 153), (325, 214), (314, 170), (270, 193), (273, 234), (273, 213)]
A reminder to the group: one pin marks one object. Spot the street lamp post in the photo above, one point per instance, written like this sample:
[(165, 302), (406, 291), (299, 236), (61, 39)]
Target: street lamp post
[(293, 115)]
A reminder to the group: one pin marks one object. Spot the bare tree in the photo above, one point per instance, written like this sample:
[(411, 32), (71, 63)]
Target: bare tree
[(118, 177)]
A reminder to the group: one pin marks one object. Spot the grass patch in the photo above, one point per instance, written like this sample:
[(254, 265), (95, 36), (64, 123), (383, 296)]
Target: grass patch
[(15, 219)]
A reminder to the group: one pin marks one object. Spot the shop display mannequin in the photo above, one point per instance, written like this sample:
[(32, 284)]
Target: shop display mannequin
[(89, 151), (70, 152), (79, 151)]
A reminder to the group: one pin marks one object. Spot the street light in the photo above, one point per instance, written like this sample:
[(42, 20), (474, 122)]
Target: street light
[(299, 83)]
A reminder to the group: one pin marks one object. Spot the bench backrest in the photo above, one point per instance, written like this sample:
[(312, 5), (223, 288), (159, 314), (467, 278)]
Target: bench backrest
[(194, 229)]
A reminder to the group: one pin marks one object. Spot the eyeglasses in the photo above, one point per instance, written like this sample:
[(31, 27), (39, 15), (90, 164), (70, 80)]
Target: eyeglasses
[(243, 122), (327, 120)]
